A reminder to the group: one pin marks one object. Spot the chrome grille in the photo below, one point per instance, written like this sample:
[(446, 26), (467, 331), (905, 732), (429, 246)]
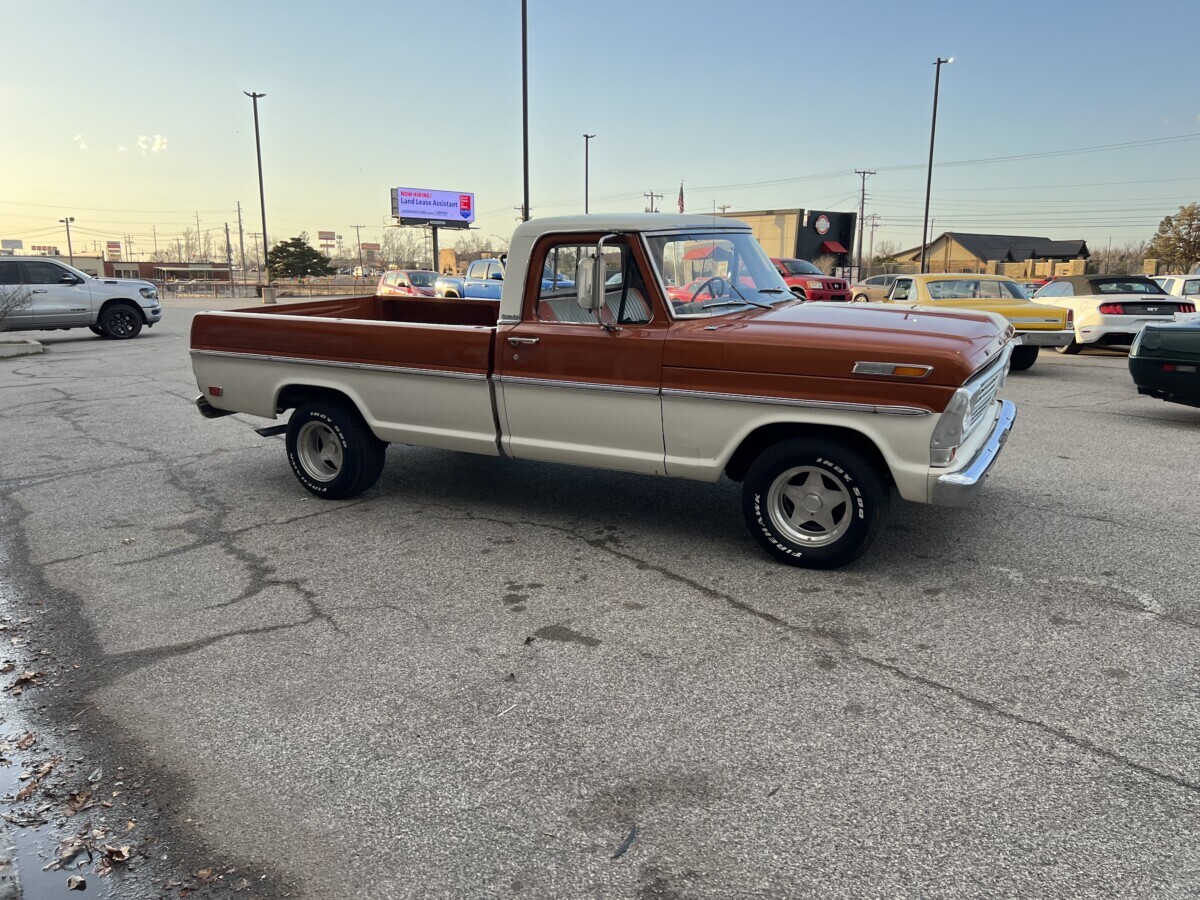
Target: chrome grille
[(983, 393)]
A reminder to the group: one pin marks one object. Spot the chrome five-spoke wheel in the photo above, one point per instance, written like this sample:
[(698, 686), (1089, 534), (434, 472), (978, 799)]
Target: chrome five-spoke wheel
[(810, 506)]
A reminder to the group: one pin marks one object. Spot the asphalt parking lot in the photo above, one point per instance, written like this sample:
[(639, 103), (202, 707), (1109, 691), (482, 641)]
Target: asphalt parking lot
[(489, 678)]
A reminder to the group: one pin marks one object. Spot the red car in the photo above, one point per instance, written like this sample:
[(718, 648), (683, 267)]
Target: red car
[(406, 283), (810, 283)]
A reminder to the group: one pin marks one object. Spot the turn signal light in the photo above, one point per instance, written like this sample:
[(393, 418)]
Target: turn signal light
[(1112, 309), (911, 371), (1187, 307)]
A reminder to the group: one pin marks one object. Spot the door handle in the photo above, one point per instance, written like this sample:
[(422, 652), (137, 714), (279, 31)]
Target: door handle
[(522, 340), (38, 291)]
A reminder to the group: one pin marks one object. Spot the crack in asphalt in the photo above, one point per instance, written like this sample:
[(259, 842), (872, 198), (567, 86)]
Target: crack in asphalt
[(843, 643)]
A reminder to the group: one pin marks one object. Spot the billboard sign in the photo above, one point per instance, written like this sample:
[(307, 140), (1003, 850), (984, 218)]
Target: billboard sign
[(10, 245), (326, 236), (446, 209), (369, 246)]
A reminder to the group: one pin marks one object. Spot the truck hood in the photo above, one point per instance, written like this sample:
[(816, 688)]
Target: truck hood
[(825, 340), (132, 282)]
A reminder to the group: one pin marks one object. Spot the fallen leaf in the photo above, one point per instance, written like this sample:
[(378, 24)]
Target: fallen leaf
[(204, 874), (96, 775), (26, 741), (79, 802), (118, 854), (6, 667), (26, 792)]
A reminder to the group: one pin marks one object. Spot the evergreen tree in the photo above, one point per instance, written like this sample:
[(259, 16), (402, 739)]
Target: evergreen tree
[(295, 259)]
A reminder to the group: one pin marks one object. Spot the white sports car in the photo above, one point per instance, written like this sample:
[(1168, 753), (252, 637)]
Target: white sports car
[(1111, 309)]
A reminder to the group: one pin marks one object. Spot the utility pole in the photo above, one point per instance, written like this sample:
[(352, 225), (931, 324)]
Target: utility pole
[(199, 249), (358, 240), (862, 201), (874, 225), (154, 231), (724, 206), (262, 202), (241, 242), (129, 247), (255, 235), (67, 221), (651, 196), (522, 214), (229, 257), (926, 226)]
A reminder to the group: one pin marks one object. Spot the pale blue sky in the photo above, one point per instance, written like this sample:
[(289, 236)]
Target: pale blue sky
[(754, 103)]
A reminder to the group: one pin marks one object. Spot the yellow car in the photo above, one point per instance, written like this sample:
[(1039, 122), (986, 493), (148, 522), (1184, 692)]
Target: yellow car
[(1036, 325)]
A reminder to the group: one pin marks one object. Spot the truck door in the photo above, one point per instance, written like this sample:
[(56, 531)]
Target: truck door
[(582, 387), (11, 289), (60, 298)]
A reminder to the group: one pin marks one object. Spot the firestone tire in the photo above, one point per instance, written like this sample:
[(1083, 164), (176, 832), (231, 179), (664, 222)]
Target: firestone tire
[(1023, 357), (814, 502), (332, 452), (120, 321)]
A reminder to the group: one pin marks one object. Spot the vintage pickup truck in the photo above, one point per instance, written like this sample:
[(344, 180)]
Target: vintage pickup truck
[(820, 409)]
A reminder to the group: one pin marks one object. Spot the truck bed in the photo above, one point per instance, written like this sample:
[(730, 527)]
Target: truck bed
[(417, 369)]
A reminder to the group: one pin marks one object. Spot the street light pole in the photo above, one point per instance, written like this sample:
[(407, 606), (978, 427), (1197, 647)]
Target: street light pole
[(937, 78), (525, 104), (67, 221), (586, 141), (262, 202)]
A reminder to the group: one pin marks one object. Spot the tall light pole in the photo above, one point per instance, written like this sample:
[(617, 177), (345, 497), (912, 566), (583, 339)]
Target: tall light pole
[(67, 221), (262, 201), (862, 202), (525, 104), (937, 79), (586, 141)]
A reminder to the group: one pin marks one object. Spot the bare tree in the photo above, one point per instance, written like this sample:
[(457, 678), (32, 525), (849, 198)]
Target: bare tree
[(1126, 259), (404, 248), (13, 299), (471, 247)]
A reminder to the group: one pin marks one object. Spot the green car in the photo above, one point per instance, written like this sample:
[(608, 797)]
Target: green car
[(1165, 361)]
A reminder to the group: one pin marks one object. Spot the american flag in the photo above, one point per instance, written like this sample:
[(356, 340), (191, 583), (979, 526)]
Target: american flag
[(681, 196)]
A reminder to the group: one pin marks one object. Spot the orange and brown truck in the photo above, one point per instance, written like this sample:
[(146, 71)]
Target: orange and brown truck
[(821, 410)]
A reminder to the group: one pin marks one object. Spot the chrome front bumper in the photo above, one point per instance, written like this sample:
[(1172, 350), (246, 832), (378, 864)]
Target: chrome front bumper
[(960, 488), (1046, 338)]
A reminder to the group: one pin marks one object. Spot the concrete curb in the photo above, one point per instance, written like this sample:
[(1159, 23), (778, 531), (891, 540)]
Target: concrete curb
[(19, 347)]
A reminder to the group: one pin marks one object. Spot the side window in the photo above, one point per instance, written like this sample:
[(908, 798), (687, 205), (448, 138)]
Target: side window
[(625, 298), (901, 289), (1191, 287), (477, 270), (44, 273), (9, 273), (1168, 285), (1057, 289), (494, 272)]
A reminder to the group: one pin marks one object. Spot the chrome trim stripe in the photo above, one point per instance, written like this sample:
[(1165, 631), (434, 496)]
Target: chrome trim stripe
[(373, 367), (832, 405), (574, 385), (375, 323)]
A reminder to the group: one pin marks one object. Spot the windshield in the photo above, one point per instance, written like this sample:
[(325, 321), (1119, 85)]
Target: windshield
[(800, 267), (976, 289), (714, 273), (422, 279)]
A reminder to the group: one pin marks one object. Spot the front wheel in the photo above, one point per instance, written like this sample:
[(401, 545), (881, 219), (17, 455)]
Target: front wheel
[(332, 452), (1070, 349), (814, 502), (120, 321), (1023, 357), (95, 330), (861, 298)]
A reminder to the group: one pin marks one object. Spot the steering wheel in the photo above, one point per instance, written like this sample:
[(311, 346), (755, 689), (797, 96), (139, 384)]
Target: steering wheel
[(716, 286)]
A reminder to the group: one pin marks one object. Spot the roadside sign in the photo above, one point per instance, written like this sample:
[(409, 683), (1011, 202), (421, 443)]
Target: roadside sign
[(422, 206)]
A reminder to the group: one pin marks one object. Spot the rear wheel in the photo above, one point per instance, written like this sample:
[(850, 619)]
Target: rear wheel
[(120, 321), (1070, 349), (861, 298), (332, 452), (94, 330), (1023, 357), (814, 502)]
